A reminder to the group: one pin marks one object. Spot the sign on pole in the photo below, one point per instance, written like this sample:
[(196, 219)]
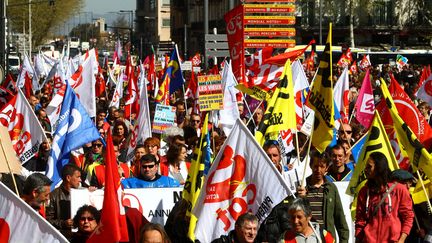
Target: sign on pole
[(210, 92), (164, 118)]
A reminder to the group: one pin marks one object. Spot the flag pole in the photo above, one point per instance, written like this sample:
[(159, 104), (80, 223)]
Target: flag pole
[(364, 135), (297, 146), (9, 168), (254, 113), (184, 92), (424, 190), (307, 156)]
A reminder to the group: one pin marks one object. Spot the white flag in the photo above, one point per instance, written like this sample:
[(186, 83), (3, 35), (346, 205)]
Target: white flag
[(241, 179), (118, 94), (425, 91), (27, 68), (25, 131), (20, 223), (142, 129), (229, 113), (83, 82), (300, 83), (340, 94)]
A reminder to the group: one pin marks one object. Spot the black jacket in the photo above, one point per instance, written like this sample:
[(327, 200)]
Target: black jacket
[(275, 224)]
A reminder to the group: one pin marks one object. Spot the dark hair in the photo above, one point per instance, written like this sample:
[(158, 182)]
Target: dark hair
[(173, 152), (69, 170), (125, 128), (322, 157), (271, 144), (337, 147), (382, 169), (139, 146), (86, 208), (246, 217), (148, 158), (36, 182), (157, 227), (302, 204)]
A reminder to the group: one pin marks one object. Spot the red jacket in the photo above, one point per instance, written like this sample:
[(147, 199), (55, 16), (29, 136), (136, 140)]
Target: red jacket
[(388, 223)]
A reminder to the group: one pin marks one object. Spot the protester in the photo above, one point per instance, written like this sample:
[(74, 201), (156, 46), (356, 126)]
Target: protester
[(58, 209), (339, 170), (245, 230), (149, 176), (36, 192), (40, 160), (176, 167), (324, 198), (345, 133), (86, 220), (300, 213), (384, 208), (139, 152), (154, 233)]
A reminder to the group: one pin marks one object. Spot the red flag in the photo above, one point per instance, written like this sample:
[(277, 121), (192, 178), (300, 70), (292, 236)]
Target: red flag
[(310, 62), (100, 83), (292, 55), (365, 62), (346, 59), (353, 68), (112, 226), (409, 113), (10, 84), (131, 104), (192, 89), (27, 89), (196, 60)]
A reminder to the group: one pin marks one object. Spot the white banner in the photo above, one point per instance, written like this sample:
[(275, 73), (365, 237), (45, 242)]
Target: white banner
[(155, 208), (346, 205)]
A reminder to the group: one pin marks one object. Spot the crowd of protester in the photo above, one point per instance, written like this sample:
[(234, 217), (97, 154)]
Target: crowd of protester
[(384, 207)]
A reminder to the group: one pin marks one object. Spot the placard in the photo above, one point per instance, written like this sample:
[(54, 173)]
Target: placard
[(210, 92), (164, 118)]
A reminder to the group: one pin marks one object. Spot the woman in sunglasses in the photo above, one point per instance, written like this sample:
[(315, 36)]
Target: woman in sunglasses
[(86, 220)]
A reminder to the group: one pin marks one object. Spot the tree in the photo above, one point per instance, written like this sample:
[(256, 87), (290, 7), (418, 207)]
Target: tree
[(46, 16)]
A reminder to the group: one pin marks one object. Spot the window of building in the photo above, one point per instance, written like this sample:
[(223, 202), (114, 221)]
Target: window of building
[(166, 22), (166, 2), (382, 13), (152, 5)]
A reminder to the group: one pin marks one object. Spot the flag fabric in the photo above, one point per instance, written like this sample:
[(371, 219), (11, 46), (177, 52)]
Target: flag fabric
[(100, 83), (192, 89), (365, 105), (5, 96), (266, 77), (425, 91), (235, 35), (195, 178), (25, 131), (357, 148), (300, 83), (229, 113), (118, 52), (409, 113), (74, 128), (340, 93), (346, 59), (320, 99), (419, 157), (10, 84), (401, 61), (255, 60), (364, 63), (112, 226), (310, 61), (83, 81), (418, 195), (118, 94), (289, 54), (20, 223), (173, 77), (27, 70), (376, 141), (234, 187), (196, 60), (142, 129), (353, 68), (280, 111)]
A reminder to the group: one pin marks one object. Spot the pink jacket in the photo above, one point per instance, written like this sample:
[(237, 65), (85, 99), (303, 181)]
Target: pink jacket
[(390, 221)]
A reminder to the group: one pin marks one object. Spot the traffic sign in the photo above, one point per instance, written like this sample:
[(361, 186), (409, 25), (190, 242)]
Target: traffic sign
[(269, 8), (282, 32), (262, 43)]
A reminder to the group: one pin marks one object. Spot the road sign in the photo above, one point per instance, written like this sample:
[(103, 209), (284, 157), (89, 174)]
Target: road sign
[(269, 20), (262, 43), (269, 8), (282, 32)]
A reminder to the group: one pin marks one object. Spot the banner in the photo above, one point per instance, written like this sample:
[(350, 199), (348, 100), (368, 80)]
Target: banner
[(210, 92), (235, 35), (164, 118), (155, 208)]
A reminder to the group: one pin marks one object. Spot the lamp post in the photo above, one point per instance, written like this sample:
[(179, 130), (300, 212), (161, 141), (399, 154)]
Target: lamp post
[(130, 12)]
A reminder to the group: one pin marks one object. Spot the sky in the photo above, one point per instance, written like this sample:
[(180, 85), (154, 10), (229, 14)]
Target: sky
[(105, 6)]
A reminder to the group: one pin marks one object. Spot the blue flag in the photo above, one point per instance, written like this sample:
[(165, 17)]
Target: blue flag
[(74, 129), (174, 73), (357, 148)]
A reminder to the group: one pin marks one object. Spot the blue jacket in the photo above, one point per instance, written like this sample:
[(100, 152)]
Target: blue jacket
[(159, 181)]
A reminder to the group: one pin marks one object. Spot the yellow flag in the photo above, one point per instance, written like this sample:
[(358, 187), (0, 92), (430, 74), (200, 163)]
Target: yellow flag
[(195, 178), (321, 99), (254, 91), (419, 157), (376, 141), (418, 194), (280, 114)]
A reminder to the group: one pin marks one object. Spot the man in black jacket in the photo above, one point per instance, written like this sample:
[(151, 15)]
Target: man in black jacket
[(245, 230)]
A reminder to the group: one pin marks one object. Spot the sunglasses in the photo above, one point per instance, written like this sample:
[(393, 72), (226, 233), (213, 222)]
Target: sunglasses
[(271, 142), (347, 132), (148, 166), (196, 121), (87, 218), (97, 145)]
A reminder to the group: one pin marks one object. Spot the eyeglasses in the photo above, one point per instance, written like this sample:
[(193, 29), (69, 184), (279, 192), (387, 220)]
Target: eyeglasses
[(148, 166), (97, 145), (196, 121), (87, 218), (150, 146)]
